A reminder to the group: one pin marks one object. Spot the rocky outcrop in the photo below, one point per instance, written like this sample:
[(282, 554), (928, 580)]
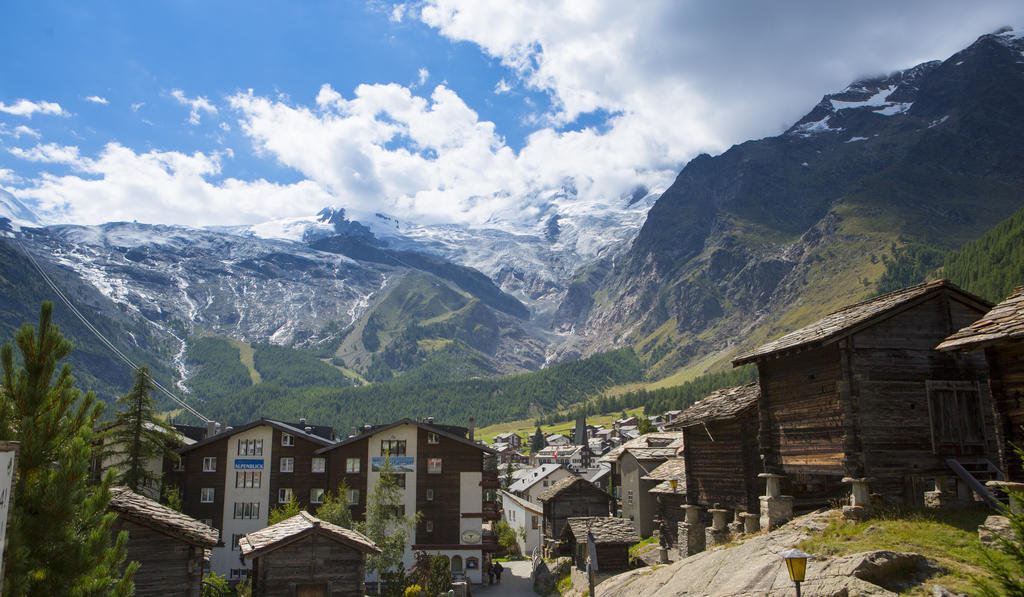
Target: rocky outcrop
[(754, 568)]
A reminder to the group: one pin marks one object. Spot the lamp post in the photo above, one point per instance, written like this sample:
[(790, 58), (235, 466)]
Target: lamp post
[(674, 483), (796, 563)]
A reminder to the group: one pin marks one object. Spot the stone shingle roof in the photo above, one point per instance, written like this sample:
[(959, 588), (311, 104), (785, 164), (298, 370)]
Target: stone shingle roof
[(301, 524), (651, 446), (1004, 322), (852, 317), (149, 513), (673, 468), (564, 485), (720, 404), (606, 530)]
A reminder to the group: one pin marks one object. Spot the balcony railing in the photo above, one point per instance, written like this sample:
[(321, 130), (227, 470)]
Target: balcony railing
[(491, 511)]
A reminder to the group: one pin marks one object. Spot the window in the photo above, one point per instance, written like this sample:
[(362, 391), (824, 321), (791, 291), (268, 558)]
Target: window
[(319, 464), (247, 509), (209, 464), (287, 464), (534, 522), (353, 497), (234, 540), (250, 447), (430, 526), (206, 495), (179, 465), (207, 521), (629, 497), (430, 495), (316, 495), (287, 439), (392, 447), (284, 495), (545, 482), (399, 479), (248, 479), (434, 466), (239, 573), (351, 465), (433, 438)]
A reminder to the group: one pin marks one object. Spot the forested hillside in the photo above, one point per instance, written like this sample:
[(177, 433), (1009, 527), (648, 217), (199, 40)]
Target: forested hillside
[(420, 395), (990, 266)]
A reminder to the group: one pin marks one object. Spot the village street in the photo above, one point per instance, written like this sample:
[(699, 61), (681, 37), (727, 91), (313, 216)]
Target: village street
[(515, 582)]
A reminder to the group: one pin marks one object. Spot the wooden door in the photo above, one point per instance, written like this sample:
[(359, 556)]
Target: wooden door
[(317, 590), (957, 422)]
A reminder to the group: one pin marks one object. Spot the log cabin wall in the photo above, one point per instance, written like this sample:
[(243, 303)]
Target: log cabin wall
[(169, 565), (801, 430), (1006, 369), (310, 561), (722, 462), (670, 514), (895, 368)]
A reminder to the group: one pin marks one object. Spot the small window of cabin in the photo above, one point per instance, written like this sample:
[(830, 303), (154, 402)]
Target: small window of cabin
[(957, 421)]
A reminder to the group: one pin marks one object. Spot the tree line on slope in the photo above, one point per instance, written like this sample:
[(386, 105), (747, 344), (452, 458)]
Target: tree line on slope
[(990, 266), (487, 400)]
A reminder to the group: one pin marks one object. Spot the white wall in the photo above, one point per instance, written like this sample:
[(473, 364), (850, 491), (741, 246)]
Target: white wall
[(519, 517), (224, 558)]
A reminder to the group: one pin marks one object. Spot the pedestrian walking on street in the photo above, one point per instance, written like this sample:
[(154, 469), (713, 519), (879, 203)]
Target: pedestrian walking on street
[(490, 573), (498, 568)]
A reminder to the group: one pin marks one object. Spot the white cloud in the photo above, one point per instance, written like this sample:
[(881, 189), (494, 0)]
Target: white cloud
[(424, 74), (156, 187), (19, 131), (24, 107), (135, 107), (502, 86), (196, 105), (97, 100), (709, 73), (398, 12), (433, 160)]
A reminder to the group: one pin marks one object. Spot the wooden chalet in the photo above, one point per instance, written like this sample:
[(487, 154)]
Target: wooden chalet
[(670, 499), (572, 496), (1000, 334), (862, 393), (168, 544), (612, 539), (306, 556), (720, 439)]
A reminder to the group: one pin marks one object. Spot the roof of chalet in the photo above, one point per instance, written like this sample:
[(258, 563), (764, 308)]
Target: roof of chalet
[(853, 318), (381, 428), (285, 427), (566, 484), (149, 513), (538, 474), (524, 504), (291, 529), (651, 446), (718, 405), (673, 468), (1004, 322), (607, 530)]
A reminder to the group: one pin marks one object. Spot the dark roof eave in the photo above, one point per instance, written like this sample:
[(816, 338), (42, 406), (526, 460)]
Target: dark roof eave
[(262, 421), (427, 426)]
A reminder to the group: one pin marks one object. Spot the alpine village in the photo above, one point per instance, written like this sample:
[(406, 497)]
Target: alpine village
[(798, 370)]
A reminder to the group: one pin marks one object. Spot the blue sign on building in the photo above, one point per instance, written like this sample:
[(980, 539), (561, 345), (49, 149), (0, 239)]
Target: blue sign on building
[(249, 464), (400, 464)]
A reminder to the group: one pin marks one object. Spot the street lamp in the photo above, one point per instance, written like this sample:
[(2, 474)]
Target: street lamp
[(796, 563), (674, 483)]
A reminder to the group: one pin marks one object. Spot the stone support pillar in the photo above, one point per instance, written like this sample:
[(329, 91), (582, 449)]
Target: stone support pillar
[(939, 497), (719, 531), (776, 509), (860, 498), (751, 522), (736, 526), (691, 538), (1001, 490)]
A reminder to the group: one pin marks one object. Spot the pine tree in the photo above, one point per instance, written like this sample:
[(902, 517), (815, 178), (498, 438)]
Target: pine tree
[(284, 511), (386, 523), (59, 539), (538, 442), (137, 437), (336, 508)]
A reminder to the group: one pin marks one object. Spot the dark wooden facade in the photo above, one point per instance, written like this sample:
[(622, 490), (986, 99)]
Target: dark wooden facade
[(572, 497), (311, 564), (191, 479), (612, 540), (1000, 333), (458, 457), (864, 393), (168, 565), (337, 471), (168, 545)]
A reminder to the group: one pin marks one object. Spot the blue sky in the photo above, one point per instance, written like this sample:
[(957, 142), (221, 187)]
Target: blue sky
[(466, 111)]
